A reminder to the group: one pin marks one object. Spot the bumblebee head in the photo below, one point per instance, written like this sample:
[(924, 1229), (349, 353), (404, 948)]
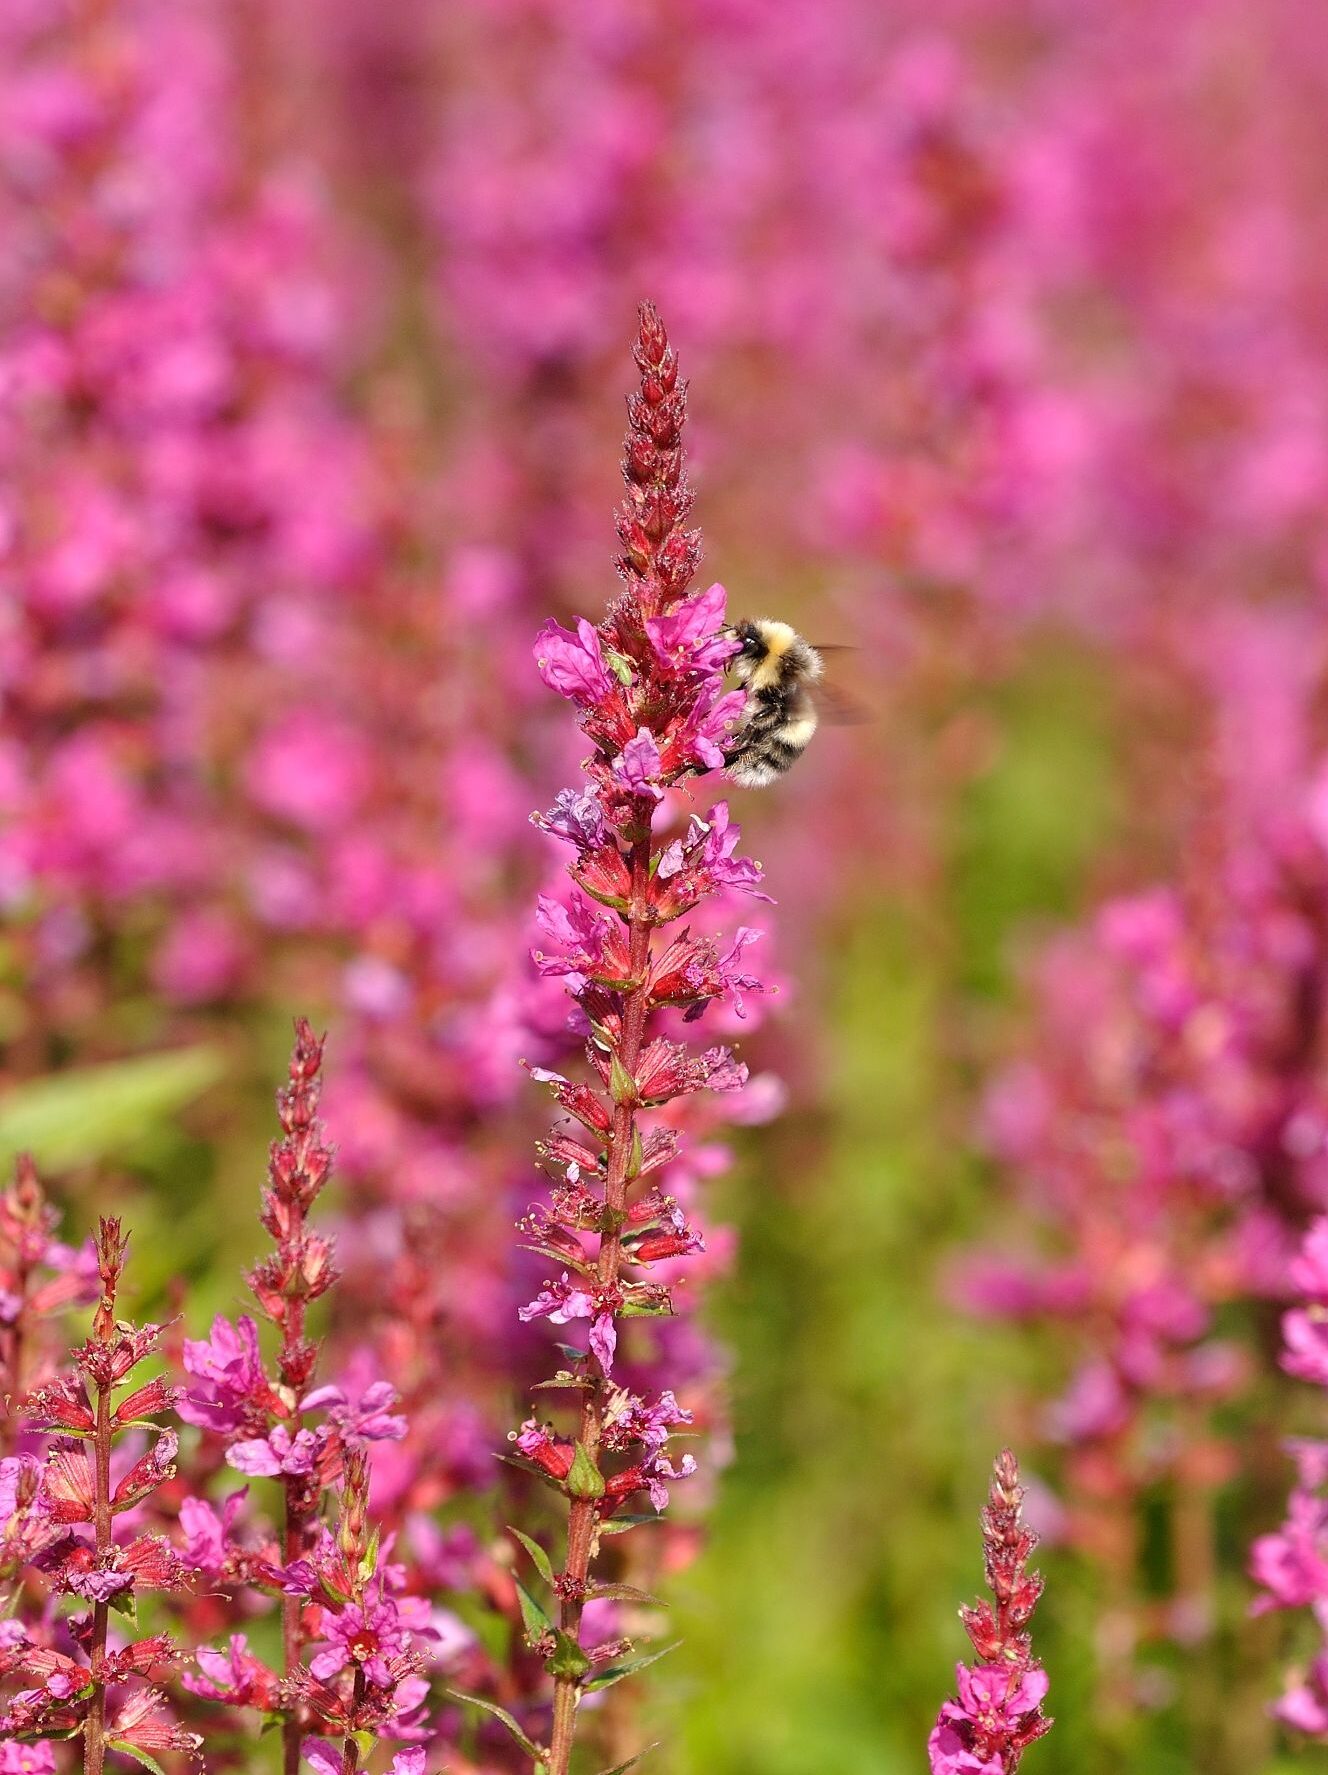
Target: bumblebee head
[(752, 649)]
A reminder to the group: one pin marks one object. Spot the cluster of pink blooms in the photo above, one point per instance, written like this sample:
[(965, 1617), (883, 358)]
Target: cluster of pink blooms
[(74, 1528), (75, 1525), (1029, 296), (284, 1424), (1291, 1566), (1167, 1131), (999, 1710)]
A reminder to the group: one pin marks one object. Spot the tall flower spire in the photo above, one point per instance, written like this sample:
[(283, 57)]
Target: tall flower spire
[(999, 1710), (648, 685)]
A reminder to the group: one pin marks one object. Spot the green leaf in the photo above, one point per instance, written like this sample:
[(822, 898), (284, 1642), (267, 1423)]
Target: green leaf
[(620, 1768), (570, 1263), (525, 1466), (123, 1601), (542, 1562), (584, 1479), (568, 1659), (499, 1713), (537, 1621), (614, 1673), (140, 1756), (626, 1593), (94, 1111), (622, 1086), (619, 1525), (636, 1156), (645, 1309)]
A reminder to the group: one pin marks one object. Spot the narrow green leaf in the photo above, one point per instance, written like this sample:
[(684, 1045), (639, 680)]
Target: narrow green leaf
[(542, 1562), (645, 1309), (499, 1713), (621, 1768), (585, 1479), (614, 1673), (569, 1263), (619, 1525), (537, 1621), (93, 1112), (523, 1465), (626, 1593), (636, 1157), (622, 1086), (141, 1757)]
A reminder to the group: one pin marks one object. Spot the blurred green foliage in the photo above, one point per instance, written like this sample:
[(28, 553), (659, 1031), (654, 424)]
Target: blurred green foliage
[(97, 1114), (820, 1626)]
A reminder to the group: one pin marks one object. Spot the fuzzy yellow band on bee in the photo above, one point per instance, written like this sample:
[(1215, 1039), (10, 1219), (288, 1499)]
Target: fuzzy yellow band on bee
[(776, 667)]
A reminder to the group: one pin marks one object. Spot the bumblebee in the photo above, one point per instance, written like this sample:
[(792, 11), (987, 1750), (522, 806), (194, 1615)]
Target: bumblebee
[(777, 669)]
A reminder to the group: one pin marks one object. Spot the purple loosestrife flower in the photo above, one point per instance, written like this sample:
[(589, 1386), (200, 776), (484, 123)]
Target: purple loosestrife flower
[(998, 1712), (259, 1417), (648, 687), (74, 1521), (1291, 1565)]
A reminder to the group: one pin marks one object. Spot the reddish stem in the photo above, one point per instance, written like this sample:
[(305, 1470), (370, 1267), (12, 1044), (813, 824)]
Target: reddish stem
[(581, 1517), (94, 1727), (296, 1537)]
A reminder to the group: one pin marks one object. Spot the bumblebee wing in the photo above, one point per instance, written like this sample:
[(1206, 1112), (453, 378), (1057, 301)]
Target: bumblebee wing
[(838, 709)]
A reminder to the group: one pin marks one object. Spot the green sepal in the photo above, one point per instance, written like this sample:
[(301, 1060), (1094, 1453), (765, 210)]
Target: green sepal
[(614, 1673), (369, 1563), (531, 1749), (567, 1659), (622, 1086), (534, 1617), (584, 1479), (543, 1564)]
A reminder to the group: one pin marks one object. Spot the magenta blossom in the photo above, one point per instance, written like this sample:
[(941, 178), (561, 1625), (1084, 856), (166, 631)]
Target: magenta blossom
[(231, 1368), (573, 664), (278, 1452)]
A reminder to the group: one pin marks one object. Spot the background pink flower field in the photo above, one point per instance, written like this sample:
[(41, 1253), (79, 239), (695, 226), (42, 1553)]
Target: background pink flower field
[(1006, 331)]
